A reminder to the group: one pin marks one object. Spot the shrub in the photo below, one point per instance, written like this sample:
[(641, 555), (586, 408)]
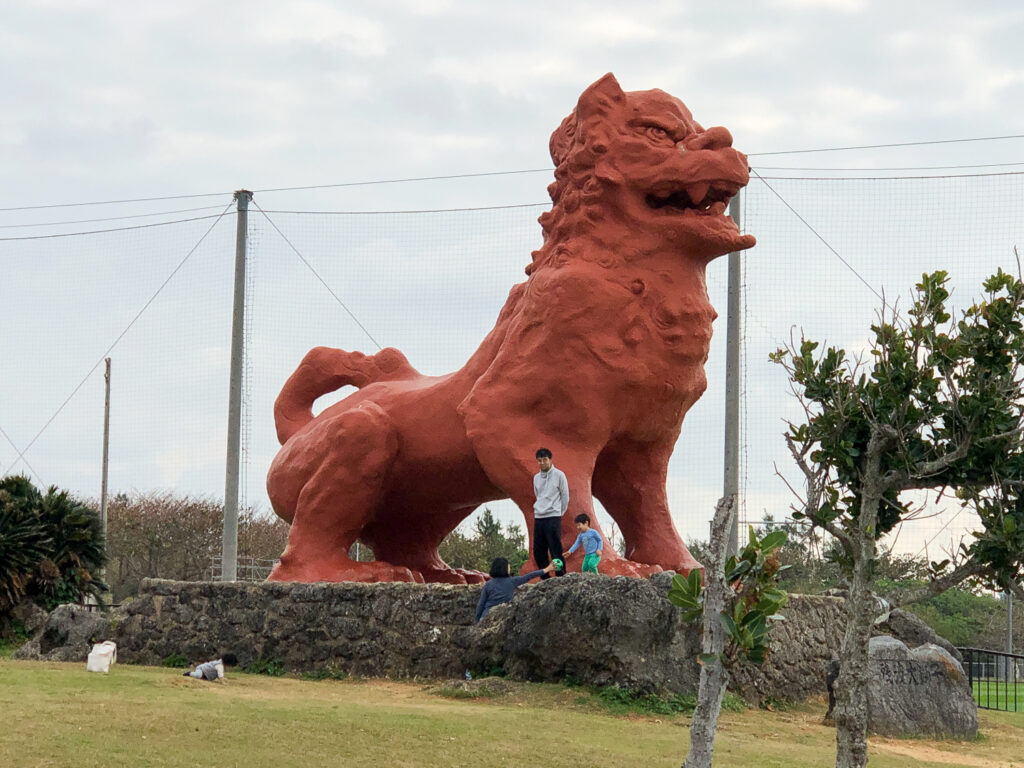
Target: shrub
[(272, 667), (172, 536), (330, 672), (23, 544), (51, 546), (623, 700)]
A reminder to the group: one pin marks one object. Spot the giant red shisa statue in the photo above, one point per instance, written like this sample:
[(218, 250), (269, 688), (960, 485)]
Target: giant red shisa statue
[(597, 356)]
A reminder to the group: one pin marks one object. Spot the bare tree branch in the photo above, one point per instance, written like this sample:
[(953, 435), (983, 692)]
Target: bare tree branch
[(936, 586), (814, 488), (1018, 432), (838, 532), (784, 479), (923, 478), (904, 480)]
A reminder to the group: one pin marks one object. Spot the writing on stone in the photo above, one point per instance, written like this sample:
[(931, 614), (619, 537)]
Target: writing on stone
[(907, 671)]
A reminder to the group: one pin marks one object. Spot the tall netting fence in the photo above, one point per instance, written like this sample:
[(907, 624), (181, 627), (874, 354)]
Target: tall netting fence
[(861, 240), (158, 300)]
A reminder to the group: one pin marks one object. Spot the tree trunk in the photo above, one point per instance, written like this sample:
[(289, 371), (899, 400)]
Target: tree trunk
[(851, 712), (714, 677)]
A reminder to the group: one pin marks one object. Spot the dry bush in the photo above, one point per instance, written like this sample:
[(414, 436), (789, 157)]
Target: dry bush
[(164, 535)]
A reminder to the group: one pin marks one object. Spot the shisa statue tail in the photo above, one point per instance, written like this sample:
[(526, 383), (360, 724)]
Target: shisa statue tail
[(325, 370)]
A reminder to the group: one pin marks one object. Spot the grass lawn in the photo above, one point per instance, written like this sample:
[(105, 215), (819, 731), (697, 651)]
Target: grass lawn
[(59, 715), (999, 695)]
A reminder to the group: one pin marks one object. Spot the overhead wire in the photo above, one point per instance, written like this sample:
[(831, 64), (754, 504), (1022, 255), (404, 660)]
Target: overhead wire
[(819, 236), (13, 463), (403, 181), (890, 168), (108, 218), (488, 173), (443, 210), (113, 229), (113, 202), (21, 454), (884, 146), (418, 210), (895, 178), (316, 274), (937, 533)]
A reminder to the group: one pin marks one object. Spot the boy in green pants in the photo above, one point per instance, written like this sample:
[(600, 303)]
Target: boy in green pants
[(592, 543)]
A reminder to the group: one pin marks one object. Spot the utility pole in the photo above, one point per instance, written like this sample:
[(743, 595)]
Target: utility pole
[(732, 386), (229, 551), (106, 450)]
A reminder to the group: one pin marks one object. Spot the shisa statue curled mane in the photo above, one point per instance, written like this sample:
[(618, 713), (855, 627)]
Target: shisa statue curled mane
[(598, 356)]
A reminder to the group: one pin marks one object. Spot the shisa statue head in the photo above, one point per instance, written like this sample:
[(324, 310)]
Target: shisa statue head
[(636, 171)]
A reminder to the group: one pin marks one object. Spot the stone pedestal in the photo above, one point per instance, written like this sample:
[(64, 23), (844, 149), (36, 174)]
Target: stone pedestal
[(597, 629)]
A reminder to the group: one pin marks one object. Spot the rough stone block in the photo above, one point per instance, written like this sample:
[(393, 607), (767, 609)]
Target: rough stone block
[(918, 692), (598, 629)]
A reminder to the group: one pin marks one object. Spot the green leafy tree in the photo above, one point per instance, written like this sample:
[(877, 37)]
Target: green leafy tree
[(488, 540), (962, 617), (965, 616), (937, 406), (736, 608)]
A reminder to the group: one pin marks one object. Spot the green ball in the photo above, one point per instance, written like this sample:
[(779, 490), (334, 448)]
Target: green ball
[(557, 563)]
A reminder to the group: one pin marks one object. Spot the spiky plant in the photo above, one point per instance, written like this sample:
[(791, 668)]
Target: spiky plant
[(23, 544), (51, 546), (77, 550)]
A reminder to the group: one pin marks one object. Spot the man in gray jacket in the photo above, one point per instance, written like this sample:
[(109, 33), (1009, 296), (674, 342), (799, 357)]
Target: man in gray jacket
[(552, 492)]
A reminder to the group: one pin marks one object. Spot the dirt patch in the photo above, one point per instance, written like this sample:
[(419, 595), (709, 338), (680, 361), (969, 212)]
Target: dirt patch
[(930, 754)]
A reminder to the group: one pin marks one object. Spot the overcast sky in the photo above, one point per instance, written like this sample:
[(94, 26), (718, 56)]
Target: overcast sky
[(130, 100), (138, 99)]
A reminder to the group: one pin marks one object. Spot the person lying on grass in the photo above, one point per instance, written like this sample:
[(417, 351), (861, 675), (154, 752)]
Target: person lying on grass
[(213, 670), (502, 586)]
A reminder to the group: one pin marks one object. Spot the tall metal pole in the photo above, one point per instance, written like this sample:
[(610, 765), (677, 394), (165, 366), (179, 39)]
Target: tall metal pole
[(1010, 663), (732, 386), (106, 450), (229, 551)]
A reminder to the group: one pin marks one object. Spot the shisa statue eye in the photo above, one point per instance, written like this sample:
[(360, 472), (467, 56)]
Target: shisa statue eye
[(655, 133)]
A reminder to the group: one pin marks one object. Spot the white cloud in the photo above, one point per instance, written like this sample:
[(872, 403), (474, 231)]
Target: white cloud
[(602, 28), (313, 22), (854, 101), (846, 6)]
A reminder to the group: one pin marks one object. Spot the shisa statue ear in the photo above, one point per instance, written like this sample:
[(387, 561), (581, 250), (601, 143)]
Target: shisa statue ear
[(598, 101), (601, 98)]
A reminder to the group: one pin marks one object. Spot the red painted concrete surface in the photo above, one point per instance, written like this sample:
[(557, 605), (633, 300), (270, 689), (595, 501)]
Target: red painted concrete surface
[(598, 356)]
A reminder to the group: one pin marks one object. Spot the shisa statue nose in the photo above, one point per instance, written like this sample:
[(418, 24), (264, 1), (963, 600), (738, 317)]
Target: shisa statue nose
[(713, 138)]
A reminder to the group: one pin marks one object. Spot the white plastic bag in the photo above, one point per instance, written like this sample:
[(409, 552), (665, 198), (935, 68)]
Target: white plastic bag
[(102, 656)]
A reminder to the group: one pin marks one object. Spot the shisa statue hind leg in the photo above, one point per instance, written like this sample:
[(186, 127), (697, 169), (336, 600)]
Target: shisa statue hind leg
[(340, 464)]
